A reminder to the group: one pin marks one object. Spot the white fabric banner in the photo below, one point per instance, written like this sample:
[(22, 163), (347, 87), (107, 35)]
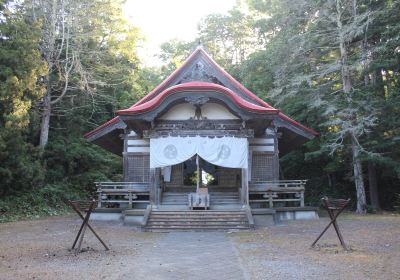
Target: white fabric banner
[(225, 151)]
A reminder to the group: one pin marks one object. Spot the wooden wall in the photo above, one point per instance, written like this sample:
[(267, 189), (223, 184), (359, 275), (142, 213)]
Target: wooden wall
[(264, 158), (136, 158), (263, 162), (176, 176), (228, 177)]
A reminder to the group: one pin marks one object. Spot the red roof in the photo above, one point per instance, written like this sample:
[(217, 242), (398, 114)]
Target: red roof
[(196, 86), (108, 123), (262, 103), (200, 49), (159, 93)]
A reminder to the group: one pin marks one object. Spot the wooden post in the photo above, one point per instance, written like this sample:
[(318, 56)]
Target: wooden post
[(302, 199), (245, 187), (73, 206), (99, 201), (130, 199), (198, 173), (152, 186), (158, 186), (270, 200)]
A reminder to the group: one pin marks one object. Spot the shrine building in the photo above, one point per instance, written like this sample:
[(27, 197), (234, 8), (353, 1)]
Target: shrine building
[(201, 152)]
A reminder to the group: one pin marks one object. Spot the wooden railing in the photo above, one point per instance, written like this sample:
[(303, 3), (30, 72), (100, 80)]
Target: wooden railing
[(117, 193), (285, 192)]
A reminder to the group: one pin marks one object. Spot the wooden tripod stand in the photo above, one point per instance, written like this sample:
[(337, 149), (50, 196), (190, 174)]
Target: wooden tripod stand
[(334, 207), (88, 206)]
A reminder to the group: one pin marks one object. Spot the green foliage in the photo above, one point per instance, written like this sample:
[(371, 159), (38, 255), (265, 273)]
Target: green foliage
[(20, 163), (173, 54), (300, 71), (46, 201), (32, 180), (20, 67), (229, 38)]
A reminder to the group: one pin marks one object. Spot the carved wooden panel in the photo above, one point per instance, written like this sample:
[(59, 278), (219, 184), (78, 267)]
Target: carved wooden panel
[(137, 168), (262, 167)]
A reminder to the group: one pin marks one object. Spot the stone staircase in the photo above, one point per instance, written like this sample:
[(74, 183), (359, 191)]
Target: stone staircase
[(225, 213), (217, 200), (165, 220)]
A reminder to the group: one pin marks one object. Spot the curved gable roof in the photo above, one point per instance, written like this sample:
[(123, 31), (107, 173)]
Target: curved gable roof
[(214, 78), (196, 86), (199, 54)]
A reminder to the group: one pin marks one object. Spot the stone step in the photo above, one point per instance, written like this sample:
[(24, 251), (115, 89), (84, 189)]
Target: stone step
[(193, 189), (234, 203), (186, 198), (197, 219), (195, 228), (211, 200), (200, 220), (188, 226), (211, 194), (197, 222), (199, 214), (171, 223), (212, 197), (196, 212)]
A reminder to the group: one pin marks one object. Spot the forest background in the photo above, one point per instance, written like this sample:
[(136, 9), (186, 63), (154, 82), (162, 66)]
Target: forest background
[(67, 65)]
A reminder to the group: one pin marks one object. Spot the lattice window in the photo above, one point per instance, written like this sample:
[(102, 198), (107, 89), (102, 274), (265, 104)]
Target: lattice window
[(138, 168), (228, 177), (262, 165)]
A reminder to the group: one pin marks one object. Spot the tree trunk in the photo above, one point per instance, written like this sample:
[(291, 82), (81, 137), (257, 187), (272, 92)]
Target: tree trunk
[(358, 178), (347, 87), (45, 124), (373, 186)]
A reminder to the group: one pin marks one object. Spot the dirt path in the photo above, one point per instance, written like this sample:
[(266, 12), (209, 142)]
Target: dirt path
[(39, 250), (284, 252), (188, 255)]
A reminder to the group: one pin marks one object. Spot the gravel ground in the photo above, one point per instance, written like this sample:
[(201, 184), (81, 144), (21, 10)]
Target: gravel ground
[(284, 252), (39, 250)]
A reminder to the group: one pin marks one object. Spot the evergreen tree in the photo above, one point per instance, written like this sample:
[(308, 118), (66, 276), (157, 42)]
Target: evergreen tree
[(321, 53), (20, 68)]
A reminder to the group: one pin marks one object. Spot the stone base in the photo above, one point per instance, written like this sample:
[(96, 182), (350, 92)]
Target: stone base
[(297, 213), (264, 217), (101, 216), (269, 217), (133, 217), (133, 220), (264, 220)]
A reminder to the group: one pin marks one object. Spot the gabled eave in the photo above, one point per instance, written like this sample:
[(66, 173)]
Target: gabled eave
[(107, 135)]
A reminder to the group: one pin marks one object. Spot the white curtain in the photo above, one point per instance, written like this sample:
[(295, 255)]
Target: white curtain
[(225, 151)]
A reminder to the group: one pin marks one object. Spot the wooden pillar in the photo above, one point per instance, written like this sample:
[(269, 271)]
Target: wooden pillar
[(130, 200), (270, 200), (199, 171), (158, 186), (154, 184), (245, 187), (99, 199)]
